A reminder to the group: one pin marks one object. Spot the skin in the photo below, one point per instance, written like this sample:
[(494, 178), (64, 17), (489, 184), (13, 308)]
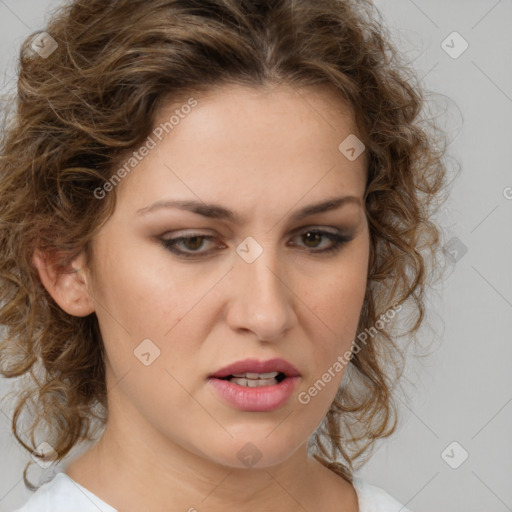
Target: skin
[(170, 443)]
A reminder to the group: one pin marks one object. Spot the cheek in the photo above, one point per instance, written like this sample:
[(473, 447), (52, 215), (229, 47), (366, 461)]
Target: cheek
[(339, 296), (336, 305), (339, 313), (151, 301), (339, 309), (137, 290)]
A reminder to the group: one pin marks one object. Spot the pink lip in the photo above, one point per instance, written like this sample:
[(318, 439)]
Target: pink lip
[(256, 366), (261, 399), (265, 398)]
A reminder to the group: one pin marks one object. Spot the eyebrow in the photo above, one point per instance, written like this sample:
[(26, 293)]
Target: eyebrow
[(215, 211)]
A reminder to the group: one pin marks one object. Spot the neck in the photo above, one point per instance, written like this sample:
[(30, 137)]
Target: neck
[(135, 467), (129, 478)]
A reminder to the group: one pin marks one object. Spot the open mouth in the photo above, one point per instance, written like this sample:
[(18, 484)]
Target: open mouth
[(255, 386), (255, 380)]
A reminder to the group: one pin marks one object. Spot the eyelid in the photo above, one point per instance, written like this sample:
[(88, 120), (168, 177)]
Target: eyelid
[(188, 233)]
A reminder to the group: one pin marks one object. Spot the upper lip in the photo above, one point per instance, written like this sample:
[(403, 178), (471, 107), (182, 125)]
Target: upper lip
[(257, 366)]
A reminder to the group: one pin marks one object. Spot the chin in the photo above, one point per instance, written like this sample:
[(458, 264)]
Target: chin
[(254, 448)]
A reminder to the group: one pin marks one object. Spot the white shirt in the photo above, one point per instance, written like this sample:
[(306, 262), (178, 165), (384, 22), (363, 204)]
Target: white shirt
[(62, 494)]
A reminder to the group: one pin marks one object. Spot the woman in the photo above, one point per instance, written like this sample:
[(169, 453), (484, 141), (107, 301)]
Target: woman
[(212, 211)]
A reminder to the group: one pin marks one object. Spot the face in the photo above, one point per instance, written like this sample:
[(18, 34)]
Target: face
[(182, 292)]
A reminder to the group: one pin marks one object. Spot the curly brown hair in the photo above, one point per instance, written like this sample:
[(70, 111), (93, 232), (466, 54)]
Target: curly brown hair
[(81, 108)]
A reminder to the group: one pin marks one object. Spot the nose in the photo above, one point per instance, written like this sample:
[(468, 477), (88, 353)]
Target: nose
[(261, 299)]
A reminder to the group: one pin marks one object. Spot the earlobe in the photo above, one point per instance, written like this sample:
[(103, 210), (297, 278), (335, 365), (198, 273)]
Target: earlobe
[(69, 288)]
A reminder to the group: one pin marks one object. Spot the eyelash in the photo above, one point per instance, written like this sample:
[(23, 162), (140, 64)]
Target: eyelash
[(338, 242)]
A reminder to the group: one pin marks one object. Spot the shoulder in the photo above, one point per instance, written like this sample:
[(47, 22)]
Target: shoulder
[(62, 494), (375, 499)]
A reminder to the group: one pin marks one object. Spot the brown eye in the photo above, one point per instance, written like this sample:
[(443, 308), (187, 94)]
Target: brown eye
[(194, 242), (191, 244), (312, 236), (312, 239)]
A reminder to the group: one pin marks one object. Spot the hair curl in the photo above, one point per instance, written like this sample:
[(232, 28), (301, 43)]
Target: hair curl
[(78, 111)]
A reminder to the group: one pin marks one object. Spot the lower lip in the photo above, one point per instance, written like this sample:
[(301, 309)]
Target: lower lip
[(264, 398)]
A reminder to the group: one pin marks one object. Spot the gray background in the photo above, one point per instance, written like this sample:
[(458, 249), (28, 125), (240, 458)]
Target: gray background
[(462, 392)]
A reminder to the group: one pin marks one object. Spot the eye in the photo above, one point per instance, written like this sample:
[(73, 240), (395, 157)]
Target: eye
[(312, 239), (191, 243)]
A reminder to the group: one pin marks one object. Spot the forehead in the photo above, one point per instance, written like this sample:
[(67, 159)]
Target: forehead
[(240, 143), (237, 111)]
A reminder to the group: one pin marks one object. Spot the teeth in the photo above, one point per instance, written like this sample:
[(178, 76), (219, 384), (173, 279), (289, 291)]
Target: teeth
[(269, 375), (253, 383)]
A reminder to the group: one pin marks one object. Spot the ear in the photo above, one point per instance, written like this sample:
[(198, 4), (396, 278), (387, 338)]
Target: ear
[(68, 289)]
